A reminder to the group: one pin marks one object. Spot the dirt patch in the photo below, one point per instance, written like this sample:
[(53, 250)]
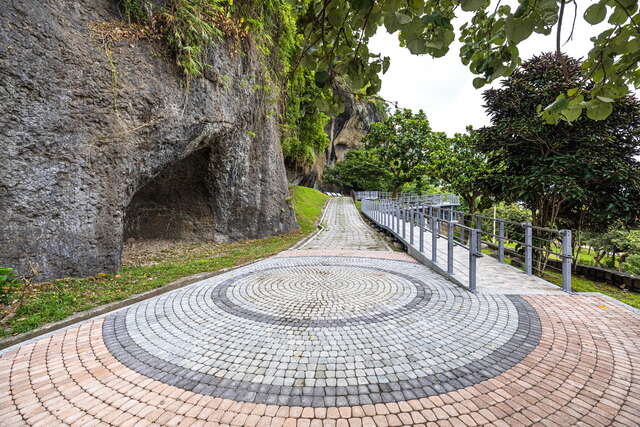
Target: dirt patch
[(143, 252)]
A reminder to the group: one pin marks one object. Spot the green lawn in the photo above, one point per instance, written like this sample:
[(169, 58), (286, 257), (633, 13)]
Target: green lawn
[(582, 284), (37, 304)]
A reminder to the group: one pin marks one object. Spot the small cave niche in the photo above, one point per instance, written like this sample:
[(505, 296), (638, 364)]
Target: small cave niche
[(174, 205)]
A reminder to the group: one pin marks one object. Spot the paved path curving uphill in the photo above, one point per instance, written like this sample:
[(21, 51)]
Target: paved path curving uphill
[(339, 332)]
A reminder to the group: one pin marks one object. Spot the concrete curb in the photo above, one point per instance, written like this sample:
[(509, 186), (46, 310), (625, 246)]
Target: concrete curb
[(113, 306), (318, 225)]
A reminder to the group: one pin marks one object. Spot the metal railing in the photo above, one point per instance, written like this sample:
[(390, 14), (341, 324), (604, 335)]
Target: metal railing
[(521, 244), (443, 199)]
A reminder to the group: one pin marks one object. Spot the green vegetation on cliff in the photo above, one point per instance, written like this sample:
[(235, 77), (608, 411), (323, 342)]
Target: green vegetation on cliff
[(32, 306), (188, 27)]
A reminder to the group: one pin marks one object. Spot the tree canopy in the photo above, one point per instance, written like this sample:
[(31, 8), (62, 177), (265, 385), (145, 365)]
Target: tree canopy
[(567, 170), (335, 35), (463, 168), (360, 170), (330, 39), (404, 143)]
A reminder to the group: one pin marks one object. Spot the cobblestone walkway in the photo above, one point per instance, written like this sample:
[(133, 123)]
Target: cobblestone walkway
[(333, 336), (343, 229)]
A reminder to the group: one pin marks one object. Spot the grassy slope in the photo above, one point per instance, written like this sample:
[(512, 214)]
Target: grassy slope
[(58, 299), (582, 284)]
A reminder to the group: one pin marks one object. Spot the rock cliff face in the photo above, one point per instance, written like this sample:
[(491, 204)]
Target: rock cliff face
[(101, 142), (345, 134)]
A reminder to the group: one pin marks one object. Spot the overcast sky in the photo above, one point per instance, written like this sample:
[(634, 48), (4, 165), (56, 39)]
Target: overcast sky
[(443, 88)]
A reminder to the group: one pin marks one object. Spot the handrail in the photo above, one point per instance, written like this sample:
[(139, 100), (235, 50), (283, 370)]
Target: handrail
[(395, 213)]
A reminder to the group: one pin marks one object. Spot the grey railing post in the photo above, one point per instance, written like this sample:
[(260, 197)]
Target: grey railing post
[(450, 229), (435, 225), (403, 215), (386, 214), (566, 260), (528, 250), (501, 241), (422, 230), (473, 249), (411, 224), (383, 214), (398, 219)]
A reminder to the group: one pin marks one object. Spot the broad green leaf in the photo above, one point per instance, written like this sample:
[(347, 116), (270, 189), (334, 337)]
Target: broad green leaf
[(391, 5), (597, 110), (335, 16), (471, 5), (403, 18), (572, 113), (616, 91), (629, 4), (518, 30), (417, 46), (416, 5), (632, 46), (391, 23), (604, 99), (618, 17), (572, 91), (595, 13), (385, 64), (559, 104), (478, 82)]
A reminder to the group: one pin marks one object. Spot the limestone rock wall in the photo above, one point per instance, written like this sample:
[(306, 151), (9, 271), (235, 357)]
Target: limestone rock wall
[(95, 133), (345, 134)]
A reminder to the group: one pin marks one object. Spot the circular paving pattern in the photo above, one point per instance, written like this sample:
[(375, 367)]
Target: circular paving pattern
[(323, 332)]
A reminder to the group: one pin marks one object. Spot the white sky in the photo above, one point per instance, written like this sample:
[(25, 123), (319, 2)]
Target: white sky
[(443, 88)]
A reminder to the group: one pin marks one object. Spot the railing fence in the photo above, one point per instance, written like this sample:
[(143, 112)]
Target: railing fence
[(409, 216)]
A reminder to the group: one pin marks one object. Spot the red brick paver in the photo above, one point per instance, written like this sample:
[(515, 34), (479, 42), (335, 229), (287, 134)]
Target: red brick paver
[(586, 369)]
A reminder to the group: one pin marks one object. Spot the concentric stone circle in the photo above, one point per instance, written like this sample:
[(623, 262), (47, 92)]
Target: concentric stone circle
[(304, 295), (321, 292), (280, 333)]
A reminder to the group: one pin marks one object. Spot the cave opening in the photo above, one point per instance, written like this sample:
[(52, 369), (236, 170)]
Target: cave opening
[(175, 205)]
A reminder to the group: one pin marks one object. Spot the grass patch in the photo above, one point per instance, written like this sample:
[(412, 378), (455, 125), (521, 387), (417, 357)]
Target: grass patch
[(34, 305), (582, 284), (308, 204)]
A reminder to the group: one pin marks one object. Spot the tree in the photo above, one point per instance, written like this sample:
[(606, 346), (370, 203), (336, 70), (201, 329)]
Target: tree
[(615, 242), (360, 170), (561, 169), (335, 35), (463, 168), (632, 265), (403, 143)]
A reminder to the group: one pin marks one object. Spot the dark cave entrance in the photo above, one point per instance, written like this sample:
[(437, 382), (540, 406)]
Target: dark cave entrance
[(175, 205)]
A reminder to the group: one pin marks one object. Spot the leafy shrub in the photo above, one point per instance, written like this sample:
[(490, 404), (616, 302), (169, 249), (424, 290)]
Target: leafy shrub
[(632, 264), (8, 284)]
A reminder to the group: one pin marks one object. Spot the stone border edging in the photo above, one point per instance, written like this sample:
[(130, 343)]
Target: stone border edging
[(318, 225), (81, 316)]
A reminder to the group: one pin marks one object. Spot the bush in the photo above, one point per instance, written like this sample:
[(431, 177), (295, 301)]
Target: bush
[(632, 264), (8, 284)]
